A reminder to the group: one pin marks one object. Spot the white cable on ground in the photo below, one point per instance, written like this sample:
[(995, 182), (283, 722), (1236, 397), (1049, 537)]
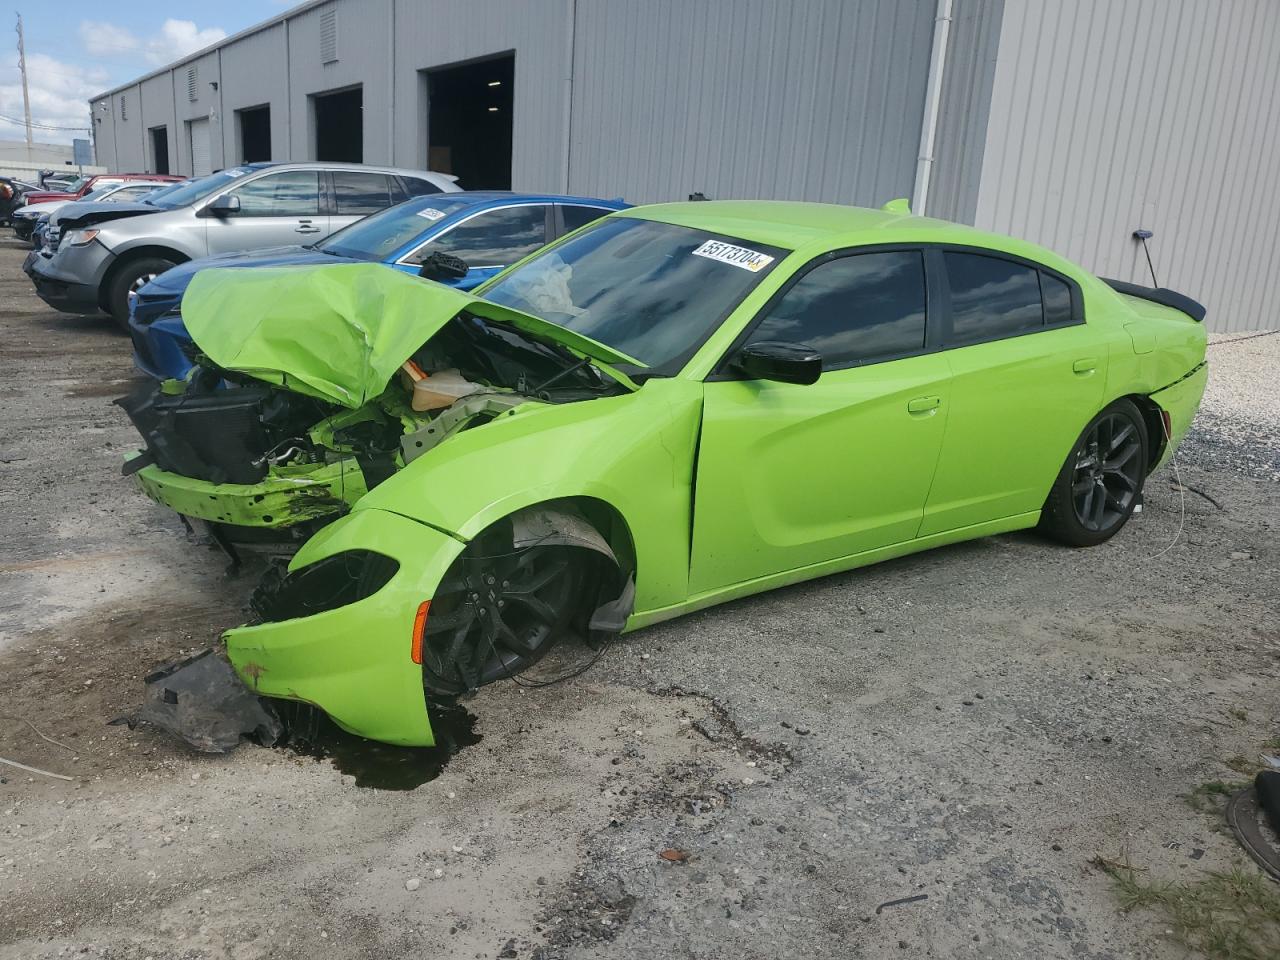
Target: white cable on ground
[(1182, 495), (43, 773)]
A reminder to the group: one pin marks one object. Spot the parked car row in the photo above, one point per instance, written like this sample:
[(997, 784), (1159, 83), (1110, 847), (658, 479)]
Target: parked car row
[(478, 422)]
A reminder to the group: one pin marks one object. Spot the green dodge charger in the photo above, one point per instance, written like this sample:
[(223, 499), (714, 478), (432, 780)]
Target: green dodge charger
[(672, 407)]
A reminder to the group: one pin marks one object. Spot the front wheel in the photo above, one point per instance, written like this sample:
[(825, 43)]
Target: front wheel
[(498, 610), (1101, 481), (129, 279)]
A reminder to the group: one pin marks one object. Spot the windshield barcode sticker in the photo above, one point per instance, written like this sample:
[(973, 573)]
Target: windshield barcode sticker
[(743, 257), (431, 213)]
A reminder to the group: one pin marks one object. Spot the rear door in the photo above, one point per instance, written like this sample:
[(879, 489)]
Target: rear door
[(357, 193), (790, 475), (276, 209), (488, 241), (1027, 374)]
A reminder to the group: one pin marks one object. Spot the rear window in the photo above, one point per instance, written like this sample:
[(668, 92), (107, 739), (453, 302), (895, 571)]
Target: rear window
[(991, 298), (418, 187), (359, 194)]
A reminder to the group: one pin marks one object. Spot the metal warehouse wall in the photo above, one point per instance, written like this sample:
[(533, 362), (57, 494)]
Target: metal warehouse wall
[(1162, 114), (820, 100), (808, 99)]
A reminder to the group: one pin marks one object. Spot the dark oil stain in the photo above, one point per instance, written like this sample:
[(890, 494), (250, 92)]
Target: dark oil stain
[(379, 766)]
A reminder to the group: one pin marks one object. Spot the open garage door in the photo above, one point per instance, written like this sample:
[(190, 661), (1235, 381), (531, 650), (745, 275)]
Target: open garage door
[(198, 132), (339, 124), (469, 121)]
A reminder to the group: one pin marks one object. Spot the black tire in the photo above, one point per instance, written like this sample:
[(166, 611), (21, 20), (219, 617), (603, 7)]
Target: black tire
[(128, 277), (1101, 480), (498, 610)]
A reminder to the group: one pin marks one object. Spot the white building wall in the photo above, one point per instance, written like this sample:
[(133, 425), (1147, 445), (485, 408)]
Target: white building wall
[(1164, 115)]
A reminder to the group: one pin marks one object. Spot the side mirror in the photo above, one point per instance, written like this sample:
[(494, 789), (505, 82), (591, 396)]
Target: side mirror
[(224, 206), (443, 267), (783, 362)]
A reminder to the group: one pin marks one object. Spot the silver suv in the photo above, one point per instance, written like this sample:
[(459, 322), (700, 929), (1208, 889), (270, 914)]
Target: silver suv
[(105, 255)]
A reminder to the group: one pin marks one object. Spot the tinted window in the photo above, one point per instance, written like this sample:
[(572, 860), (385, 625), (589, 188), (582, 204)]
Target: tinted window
[(991, 298), (191, 191), (295, 193), (864, 307), (358, 194), (381, 234), (1057, 300), (576, 216), (420, 188), (654, 291), (495, 238)]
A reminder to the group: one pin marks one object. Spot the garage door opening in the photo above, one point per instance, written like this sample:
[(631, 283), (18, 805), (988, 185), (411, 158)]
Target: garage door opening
[(160, 149), (339, 119), (469, 121), (255, 134)]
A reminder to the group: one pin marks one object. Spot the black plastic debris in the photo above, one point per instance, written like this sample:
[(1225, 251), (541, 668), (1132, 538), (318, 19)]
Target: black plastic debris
[(202, 701)]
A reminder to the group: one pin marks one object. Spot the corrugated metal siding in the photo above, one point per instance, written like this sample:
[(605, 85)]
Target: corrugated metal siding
[(820, 100), (255, 71), (972, 45), (1161, 114), (451, 31)]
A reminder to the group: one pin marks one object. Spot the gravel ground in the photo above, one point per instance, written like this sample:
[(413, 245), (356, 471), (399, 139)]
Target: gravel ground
[(967, 728)]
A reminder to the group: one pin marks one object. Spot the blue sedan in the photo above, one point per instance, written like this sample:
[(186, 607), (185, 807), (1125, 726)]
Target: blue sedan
[(488, 230)]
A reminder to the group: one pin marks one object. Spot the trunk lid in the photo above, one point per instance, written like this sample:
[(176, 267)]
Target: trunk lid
[(339, 332)]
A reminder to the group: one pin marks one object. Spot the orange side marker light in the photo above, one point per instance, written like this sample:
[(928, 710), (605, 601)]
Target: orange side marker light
[(419, 625)]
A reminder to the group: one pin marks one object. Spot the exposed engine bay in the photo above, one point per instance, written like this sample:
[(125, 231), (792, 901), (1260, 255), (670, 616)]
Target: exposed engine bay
[(265, 465)]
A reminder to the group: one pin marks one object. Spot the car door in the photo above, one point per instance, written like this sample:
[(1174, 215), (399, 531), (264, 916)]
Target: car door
[(488, 241), (791, 475), (358, 193), (276, 209), (1027, 375)]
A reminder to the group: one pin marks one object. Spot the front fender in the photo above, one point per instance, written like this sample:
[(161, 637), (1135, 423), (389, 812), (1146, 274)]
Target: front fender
[(634, 452)]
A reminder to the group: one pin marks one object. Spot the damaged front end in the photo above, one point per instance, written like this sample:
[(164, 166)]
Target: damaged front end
[(314, 385)]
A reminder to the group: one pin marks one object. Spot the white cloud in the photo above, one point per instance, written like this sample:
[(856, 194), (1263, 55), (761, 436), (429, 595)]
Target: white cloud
[(59, 96), (101, 39), (177, 38)]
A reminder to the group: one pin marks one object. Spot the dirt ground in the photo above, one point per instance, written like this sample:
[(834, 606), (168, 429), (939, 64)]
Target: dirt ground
[(969, 727)]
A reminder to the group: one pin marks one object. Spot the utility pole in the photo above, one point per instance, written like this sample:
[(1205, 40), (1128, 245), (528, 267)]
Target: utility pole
[(26, 97)]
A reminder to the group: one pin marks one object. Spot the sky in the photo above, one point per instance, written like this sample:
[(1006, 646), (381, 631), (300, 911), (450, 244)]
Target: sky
[(76, 49)]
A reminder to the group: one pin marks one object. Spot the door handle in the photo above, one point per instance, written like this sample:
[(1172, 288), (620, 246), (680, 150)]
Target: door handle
[(922, 405), (306, 228), (1085, 365)]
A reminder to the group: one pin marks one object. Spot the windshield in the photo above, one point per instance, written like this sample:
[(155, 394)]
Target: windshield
[(651, 290), (72, 187), (193, 190), (378, 236), (100, 192)]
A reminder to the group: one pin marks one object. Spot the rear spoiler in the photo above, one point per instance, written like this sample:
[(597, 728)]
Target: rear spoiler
[(1161, 295)]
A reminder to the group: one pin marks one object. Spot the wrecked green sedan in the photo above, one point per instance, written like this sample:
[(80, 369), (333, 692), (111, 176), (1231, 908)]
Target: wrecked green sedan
[(673, 407)]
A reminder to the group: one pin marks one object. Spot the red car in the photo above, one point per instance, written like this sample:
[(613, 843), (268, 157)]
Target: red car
[(85, 184)]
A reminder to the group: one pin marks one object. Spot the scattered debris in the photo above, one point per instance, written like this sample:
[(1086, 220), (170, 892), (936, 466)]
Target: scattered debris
[(202, 701), (412, 884), (673, 855), (43, 773), (902, 900)]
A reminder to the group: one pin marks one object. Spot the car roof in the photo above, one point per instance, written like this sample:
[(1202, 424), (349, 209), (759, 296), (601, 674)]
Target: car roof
[(336, 165), (795, 225), (474, 197)]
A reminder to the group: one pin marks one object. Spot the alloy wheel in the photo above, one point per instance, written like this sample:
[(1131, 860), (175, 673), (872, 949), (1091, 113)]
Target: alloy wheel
[(496, 615), (1106, 478)]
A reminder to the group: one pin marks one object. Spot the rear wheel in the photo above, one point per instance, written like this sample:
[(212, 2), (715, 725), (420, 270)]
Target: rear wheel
[(1101, 481), (126, 283), (498, 611)]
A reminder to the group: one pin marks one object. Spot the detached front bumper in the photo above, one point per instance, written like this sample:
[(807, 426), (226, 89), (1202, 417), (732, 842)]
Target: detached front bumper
[(354, 661), (287, 497)]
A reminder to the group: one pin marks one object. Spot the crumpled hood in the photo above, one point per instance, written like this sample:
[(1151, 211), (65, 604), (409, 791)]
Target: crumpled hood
[(338, 332), (174, 280)]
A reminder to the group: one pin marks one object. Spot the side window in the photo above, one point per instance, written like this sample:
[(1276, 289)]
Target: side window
[(992, 298), (1057, 300), (857, 309), (294, 193), (495, 238), (575, 215), (359, 194), (420, 188)]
